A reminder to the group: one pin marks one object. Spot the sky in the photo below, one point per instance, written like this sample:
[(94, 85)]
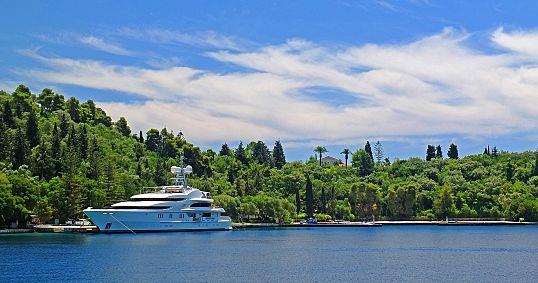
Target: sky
[(308, 73)]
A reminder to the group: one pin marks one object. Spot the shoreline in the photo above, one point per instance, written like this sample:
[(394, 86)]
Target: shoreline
[(47, 228)]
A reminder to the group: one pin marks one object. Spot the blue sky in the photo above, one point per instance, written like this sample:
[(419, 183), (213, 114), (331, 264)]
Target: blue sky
[(333, 73)]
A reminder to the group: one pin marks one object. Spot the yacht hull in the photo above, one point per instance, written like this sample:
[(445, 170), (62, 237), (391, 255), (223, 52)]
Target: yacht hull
[(111, 221)]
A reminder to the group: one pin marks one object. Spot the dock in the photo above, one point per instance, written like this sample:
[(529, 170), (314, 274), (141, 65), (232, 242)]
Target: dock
[(46, 228), (297, 225)]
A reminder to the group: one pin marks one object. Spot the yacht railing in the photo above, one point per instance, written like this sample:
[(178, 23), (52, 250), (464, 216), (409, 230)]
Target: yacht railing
[(166, 189)]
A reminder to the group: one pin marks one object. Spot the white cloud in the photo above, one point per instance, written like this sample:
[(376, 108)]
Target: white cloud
[(203, 39), (101, 44), (437, 85)]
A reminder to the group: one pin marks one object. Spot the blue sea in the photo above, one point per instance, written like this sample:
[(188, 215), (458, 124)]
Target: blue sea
[(389, 253)]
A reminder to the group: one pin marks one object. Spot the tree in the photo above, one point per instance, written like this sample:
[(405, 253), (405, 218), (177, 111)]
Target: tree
[(494, 152), (64, 126), (260, 154), (486, 150), (278, 155), (123, 127), (7, 115), (363, 163), (224, 150), (56, 150), (153, 140), (535, 169), (5, 143), (297, 200), (309, 197), (444, 202), (240, 154), (368, 149), (32, 129), (509, 169), (378, 152), (452, 151), (346, 153), (320, 150), (140, 137), (83, 141), (20, 152), (438, 152), (42, 161), (74, 109), (430, 152)]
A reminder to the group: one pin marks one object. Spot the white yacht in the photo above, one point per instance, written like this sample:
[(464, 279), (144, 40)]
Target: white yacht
[(169, 208)]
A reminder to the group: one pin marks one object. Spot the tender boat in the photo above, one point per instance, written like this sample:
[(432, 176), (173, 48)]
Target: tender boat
[(169, 208)]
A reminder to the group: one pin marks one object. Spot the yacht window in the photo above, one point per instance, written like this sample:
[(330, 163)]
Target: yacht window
[(157, 199), (201, 204), (140, 207), (169, 215), (206, 214)]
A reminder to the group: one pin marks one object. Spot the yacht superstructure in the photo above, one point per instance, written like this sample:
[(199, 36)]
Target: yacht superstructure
[(169, 208)]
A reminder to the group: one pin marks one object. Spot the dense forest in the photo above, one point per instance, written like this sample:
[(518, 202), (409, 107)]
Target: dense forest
[(60, 156)]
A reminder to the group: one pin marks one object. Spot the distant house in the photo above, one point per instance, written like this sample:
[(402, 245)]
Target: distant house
[(330, 160)]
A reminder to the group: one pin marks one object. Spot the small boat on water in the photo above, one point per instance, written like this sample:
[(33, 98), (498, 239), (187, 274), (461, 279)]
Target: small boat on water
[(166, 209)]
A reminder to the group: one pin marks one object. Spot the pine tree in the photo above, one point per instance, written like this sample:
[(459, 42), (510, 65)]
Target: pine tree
[(368, 149), (224, 150), (278, 155), (438, 152), (240, 154), (309, 198), (7, 115), (56, 150), (32, 129), (452, 151), (83, 141), (378, 152), (43, 161), (74, 109), (239, 190), (123, 127), (93, 160), (260, 154), (64, 126), (430, 152), (20, 152)]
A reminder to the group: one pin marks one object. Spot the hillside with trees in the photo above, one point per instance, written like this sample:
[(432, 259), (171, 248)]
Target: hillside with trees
[(59, 156)]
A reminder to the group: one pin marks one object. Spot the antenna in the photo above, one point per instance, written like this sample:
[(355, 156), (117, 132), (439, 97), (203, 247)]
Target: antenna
[(181, 173)]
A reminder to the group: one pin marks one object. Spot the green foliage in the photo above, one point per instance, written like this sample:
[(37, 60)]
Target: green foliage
[(60, 156)]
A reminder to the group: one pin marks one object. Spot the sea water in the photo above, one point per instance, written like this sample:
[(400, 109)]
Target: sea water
[(389, 253)]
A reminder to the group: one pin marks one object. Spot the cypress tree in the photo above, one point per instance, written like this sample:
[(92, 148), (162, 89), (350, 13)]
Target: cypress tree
[(56, 150), (140, 137), (83, 141), (224, 150), (20, 152), (260, 154), (430, 152), (74, 109), (309, 198), (7, 115), (240, 154), (32, 129), (452, 151), (368, 149), (278, 155), (438, 152), (64, 126)]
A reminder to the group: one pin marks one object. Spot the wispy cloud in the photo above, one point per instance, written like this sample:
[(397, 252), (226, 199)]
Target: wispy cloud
[(105, 46), (437, 85), (201, 39)]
